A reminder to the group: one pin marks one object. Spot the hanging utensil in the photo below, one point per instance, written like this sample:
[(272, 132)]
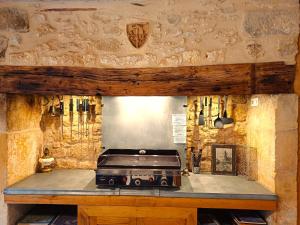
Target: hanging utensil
[(71, 108), (81, 121), (93, 118), (78, 115), (52, 110), (225, 119), (201, 115), (209, 113), (206, 112), (61, 114), (86, 109), (195, 113), (218, 123)]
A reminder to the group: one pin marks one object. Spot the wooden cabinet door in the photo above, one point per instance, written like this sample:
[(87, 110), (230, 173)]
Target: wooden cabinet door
[(166, 216), (125, 215), (106, 215)]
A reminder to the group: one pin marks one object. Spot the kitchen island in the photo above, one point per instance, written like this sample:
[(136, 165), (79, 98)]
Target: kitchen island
[(127, 206)]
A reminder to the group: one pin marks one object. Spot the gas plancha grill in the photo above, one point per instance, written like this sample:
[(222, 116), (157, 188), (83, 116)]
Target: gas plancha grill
[(139, 168)]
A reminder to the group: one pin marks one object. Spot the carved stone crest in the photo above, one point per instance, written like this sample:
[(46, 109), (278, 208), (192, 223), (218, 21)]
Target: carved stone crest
[(137, 33)]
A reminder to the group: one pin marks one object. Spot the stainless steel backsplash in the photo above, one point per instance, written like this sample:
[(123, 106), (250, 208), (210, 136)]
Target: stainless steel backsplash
[(141, 122)]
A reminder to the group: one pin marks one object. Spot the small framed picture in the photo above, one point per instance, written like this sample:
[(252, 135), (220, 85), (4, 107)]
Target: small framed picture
[(223, 159)]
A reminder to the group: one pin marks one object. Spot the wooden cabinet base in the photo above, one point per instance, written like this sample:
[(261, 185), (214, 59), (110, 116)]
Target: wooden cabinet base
[(127, 215)]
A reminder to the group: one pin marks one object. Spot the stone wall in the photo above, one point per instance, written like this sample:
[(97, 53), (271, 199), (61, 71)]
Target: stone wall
[(231, 134), (21, 143), (198, 33), (272, 129), (80, 150)]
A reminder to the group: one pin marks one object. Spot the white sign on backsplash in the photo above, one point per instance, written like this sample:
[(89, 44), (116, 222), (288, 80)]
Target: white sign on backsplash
[(179, 128), (179, 140), (179, 119), (179, 131)]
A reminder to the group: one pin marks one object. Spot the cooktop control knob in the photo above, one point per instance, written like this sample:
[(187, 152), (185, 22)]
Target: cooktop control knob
[(164, 182), (138, 182), (142, 152), (111, 181)]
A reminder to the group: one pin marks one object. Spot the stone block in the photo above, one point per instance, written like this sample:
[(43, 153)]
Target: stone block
[(271, 22), (228, 37), (109, 45), (67, 163), (14, 19), (287, 112), (3, 46), (24, 148), (3, 122), (288, 47), (286, 189), (45, 29), (240, 99), (215, 56), (255, 50), (240, 112), (15, 41), (3, 161), (3, 210), (173, 19), (24, 112), (286, 150), (87, 164)]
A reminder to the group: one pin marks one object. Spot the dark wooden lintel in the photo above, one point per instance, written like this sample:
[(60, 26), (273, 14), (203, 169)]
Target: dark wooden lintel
[(228, 79), (67, 9)]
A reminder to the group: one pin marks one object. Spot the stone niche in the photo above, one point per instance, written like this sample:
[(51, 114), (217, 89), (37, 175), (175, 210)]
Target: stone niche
[(204, 136), (266, 137), (74, 139)]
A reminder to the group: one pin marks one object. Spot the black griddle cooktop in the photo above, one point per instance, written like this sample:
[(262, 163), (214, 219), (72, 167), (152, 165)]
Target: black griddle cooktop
[(139, 168)]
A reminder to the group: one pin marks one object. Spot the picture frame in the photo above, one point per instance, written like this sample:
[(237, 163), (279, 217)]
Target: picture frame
[(223, 159)]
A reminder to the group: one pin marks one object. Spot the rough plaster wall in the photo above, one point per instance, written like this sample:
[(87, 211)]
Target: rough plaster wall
[(237, 107), (24, 137), (272, 130), (261, 138), (199, 32), (80, 151)]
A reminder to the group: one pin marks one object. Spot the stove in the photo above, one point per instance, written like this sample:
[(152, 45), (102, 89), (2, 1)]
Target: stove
[(139, 168)]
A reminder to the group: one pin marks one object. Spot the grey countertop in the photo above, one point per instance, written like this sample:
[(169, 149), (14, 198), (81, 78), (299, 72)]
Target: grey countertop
[(82, 182)]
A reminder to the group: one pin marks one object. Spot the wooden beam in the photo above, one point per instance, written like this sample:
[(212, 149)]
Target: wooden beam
[(231, 79)]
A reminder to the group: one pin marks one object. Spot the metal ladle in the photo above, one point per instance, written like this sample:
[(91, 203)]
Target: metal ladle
[(225, 119), (218, 123)]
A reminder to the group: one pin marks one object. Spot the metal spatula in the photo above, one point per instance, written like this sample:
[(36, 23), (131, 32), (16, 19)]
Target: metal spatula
[(201, 115)]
